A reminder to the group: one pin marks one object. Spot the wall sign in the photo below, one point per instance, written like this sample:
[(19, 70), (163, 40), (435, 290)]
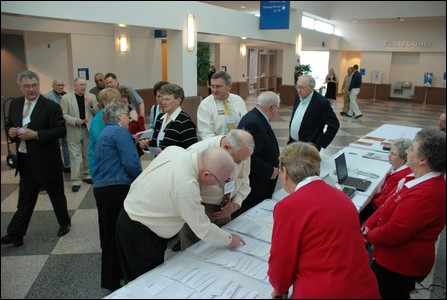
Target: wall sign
[(406, 44)]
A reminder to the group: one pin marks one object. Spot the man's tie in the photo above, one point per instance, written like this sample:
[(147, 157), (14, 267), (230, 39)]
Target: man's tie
[(22, 145), (226, 197), (228, 112)]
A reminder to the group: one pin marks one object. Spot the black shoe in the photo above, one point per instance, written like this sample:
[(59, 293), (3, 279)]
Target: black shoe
[(89, 181), (342, 113), (359, 116), (75, 188), (16, 240), (348, 116), (176, 247), (67, 170), (63, 230)]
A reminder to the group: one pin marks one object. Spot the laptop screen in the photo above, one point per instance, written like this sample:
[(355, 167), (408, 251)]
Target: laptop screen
[(341, 167)]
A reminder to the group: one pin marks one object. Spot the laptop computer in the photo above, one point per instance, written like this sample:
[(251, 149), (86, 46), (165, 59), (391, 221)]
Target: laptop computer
[(349, 191), (343, 178)]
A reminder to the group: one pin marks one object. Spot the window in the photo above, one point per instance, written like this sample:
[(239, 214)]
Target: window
[(308, 23), (324, 27), (313, 24)]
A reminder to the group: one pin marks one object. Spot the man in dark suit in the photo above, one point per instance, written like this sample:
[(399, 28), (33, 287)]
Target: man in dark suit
[(311, 113), (36, 124), (265, 158)]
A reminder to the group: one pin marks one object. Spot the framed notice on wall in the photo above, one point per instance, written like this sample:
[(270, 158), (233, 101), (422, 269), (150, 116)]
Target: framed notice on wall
[(376, 77)]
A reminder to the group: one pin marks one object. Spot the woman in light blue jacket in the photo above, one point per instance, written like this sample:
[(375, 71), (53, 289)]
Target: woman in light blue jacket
[(117, 165)]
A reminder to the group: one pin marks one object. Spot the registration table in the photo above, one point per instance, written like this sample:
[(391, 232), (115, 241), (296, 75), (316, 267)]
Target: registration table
[(384, 136), (360, 165)]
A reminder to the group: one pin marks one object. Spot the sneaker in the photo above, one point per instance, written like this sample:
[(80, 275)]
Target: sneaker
[(75, 188)]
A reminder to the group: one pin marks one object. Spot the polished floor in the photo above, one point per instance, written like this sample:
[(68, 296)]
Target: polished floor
[(47, 266)]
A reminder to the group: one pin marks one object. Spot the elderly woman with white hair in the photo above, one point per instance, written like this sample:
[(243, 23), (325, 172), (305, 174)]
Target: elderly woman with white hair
[(117, 166)]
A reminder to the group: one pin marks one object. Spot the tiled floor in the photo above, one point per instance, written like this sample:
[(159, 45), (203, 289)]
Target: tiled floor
[(69, 267)]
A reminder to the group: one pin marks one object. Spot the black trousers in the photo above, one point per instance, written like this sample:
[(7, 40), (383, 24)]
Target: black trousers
[(109, 200), (140, 250), (394, 285), (28, 193)]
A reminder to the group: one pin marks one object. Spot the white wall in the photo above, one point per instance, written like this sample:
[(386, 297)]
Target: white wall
[(94, 44)]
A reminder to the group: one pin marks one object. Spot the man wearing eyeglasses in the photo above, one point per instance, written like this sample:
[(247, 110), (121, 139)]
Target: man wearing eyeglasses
[(311, 113), (56, 94), (35, 124), (220, 112)]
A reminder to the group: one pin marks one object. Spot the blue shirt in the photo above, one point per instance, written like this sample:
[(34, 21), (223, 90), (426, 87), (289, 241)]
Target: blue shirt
[(116, 158)]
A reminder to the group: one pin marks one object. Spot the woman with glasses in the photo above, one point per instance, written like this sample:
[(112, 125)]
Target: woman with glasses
[(117, 166), (174, 127), (405, 229), (398, 159)]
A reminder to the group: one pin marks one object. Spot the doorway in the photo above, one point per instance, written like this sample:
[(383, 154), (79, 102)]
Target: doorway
[(13, 62), (261, 70)]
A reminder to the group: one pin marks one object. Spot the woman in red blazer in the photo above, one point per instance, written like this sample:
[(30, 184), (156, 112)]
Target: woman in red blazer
[(405, 229), (398, 159), (316, 243)]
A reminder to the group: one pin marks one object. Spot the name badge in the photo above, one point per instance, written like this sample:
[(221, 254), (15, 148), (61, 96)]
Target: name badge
[(221, 112), (230, 119), (229, 187), (25, 121), (161, 136)]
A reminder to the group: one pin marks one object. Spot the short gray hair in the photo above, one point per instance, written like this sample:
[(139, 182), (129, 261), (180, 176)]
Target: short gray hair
[(402, 145), (310, 80), (113, 110), (432, 146), (268, 99), (239, 138), (221, 74), (27, 74)]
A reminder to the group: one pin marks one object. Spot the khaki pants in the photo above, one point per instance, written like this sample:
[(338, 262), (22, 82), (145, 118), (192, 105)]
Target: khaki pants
[(346, 102), (188, 237)]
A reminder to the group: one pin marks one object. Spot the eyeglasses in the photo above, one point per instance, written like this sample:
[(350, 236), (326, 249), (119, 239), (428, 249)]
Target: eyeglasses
[(30, 86), (217, 180), (60, 85)]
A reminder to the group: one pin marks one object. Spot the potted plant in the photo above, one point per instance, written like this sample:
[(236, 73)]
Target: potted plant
[(203, 68), (301, 69)]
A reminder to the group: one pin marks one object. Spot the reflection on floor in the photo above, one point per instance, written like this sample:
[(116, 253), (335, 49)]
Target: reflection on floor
[(69, 267)]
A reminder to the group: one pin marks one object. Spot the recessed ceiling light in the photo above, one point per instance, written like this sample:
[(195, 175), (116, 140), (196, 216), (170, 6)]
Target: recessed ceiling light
[(243, 6), (243, 37), (257, 14), (354, 21)]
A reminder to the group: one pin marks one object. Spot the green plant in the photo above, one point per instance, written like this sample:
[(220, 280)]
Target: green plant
[(203, 63), (301, 70)]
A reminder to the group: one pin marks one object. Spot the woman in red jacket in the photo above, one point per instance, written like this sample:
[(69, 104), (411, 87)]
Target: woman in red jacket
[(398, 159), (405, 229), (316, 243)]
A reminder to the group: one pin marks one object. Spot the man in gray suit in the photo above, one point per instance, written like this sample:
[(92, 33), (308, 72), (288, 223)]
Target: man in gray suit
[(78, 108)]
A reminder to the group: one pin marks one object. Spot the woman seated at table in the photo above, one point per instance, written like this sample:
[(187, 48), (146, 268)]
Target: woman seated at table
[(405, 229), (398, 159), (174, 127), (316, 244)]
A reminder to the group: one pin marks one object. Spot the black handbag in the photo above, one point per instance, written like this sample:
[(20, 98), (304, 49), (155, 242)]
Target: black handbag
[(11, 158)]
